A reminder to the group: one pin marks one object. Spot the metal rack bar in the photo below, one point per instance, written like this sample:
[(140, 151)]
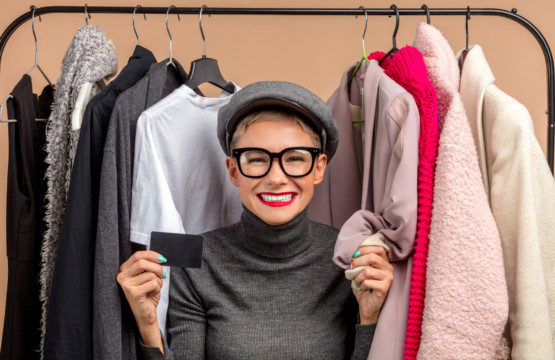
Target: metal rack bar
[(321, 11)]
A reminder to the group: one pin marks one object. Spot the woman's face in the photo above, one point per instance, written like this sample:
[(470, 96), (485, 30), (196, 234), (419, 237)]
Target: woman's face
[(260, 195)]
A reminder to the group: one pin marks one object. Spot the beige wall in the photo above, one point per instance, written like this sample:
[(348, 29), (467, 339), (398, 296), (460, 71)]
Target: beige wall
[(312, 51)]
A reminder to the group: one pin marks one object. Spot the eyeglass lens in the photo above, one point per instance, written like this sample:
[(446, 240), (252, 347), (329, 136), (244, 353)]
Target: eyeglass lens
[(295, 162)]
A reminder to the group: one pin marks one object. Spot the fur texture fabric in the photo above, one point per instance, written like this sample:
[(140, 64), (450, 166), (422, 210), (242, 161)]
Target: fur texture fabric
[(466, 304), (90, 58)]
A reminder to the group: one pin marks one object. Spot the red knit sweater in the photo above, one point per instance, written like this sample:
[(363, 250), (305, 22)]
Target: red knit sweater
[(407, 68)]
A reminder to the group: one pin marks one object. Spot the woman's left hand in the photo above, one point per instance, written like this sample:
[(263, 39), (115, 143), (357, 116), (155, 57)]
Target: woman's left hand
[(373, 282)]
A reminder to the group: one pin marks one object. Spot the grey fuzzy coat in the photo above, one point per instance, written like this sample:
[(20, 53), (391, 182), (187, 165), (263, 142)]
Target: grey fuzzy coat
[(90, 58)]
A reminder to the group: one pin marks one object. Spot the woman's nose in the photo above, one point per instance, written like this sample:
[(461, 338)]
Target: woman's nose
[(276, 175)]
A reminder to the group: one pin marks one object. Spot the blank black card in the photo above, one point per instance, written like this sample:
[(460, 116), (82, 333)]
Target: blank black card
[(183, 250)]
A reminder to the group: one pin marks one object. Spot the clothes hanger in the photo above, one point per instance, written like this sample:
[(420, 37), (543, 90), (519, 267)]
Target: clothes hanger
[(36, 65), (87, 15), (466, 50), (133, 20), (364, 57), (2, 110), (170, 61), (425, 8), (206, 69), (394, 49)]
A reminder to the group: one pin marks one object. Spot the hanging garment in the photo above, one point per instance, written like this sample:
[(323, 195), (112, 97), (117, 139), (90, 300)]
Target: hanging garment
[(114, 324), (389, 187), (521, 192), (180, 182), (466, 302), (407, 68), (70, 313), (24, 219), (90, 57)]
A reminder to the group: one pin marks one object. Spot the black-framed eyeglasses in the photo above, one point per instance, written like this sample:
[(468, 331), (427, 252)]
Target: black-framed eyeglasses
[(294, 161)]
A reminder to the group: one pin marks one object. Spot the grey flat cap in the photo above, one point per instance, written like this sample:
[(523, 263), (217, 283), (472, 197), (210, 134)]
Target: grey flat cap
[(283, 94)]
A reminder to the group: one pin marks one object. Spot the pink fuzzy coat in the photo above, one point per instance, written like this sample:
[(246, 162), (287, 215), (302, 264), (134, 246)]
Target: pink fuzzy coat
[(466, 304)]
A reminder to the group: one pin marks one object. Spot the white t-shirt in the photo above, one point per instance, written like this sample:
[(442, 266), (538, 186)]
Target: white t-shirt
[(180, 181)]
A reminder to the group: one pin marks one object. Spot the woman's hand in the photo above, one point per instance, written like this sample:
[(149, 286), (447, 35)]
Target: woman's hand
[(373, 282), (140, 278)]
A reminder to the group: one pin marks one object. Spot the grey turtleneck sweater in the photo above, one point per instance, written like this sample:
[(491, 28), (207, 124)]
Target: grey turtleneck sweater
[(264, 292)]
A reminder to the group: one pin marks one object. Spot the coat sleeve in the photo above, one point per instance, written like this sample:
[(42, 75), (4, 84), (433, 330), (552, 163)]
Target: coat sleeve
[(113, 328), (390, 201)]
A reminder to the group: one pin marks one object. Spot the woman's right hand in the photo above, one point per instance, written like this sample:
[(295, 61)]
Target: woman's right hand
[(140, 278)]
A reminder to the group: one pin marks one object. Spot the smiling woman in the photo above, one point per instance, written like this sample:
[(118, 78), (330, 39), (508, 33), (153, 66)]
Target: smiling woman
[(255, 295)]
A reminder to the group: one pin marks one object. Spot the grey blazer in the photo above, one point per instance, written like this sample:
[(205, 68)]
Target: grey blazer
[(114, 325)]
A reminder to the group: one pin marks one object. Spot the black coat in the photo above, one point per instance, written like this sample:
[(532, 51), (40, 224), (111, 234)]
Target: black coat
[(69, 329)]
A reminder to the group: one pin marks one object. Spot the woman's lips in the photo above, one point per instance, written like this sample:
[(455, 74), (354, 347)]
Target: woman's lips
[(277, 199)]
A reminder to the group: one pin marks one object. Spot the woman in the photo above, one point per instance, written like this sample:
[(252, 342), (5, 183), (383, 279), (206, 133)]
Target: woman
[(267, 287)]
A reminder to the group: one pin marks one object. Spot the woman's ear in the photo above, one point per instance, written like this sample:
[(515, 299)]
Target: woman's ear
[(233, 170), (320, 167)]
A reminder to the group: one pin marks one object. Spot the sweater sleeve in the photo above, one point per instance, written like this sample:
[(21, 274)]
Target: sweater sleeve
[(186, 326), (363, 341)]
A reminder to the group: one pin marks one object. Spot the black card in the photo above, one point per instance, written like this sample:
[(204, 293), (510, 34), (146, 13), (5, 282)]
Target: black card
[(183, 250)]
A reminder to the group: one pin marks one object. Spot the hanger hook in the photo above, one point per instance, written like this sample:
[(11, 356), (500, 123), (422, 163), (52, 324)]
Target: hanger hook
[(168, 29), (135, 30), (33, 8), (425, 7), (202, 32), (394, 7), (87, 15), (364, 32), (466, 24)]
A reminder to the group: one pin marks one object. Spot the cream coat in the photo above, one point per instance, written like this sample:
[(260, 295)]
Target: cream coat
[(521, 192)]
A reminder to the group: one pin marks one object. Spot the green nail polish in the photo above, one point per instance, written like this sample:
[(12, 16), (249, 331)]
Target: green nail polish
[(162, 259), (164, 276), (357, 254)]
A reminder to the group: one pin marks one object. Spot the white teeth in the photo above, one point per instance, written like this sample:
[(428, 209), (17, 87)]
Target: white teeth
[(279, 198)]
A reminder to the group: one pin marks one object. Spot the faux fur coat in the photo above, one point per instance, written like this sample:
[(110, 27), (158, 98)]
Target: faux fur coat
[(466, 304)]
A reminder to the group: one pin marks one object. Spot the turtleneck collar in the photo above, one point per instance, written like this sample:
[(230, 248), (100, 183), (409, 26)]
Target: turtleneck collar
[(274, 241)]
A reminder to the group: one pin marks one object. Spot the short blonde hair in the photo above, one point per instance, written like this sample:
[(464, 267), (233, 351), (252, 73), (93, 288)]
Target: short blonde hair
[(273, 114)]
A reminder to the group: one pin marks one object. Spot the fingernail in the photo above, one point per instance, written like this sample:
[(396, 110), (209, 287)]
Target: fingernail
[(164, 275), (350, 267), (357, 254), (162, 259)]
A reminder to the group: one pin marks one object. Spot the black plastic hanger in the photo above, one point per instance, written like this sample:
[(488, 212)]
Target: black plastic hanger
[(394, 48), (206, 70)]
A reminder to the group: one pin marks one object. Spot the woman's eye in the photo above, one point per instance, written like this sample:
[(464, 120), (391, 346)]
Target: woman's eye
[(256, 160)]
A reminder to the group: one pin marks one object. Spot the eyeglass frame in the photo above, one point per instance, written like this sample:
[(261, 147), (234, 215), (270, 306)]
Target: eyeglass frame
[(236, 154)]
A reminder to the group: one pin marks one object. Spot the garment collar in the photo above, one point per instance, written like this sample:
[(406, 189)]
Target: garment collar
[(159, 75), (274, 241), (476, 77)]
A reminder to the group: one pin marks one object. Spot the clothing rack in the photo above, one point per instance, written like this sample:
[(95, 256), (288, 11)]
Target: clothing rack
[(318, 11)]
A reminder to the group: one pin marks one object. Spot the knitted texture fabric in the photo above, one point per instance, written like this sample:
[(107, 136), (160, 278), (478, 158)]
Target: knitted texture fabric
[(89, 58), (408, 69), (466, 305)]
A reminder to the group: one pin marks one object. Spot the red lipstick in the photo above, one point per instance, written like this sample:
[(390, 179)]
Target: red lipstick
[(276, 203)]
